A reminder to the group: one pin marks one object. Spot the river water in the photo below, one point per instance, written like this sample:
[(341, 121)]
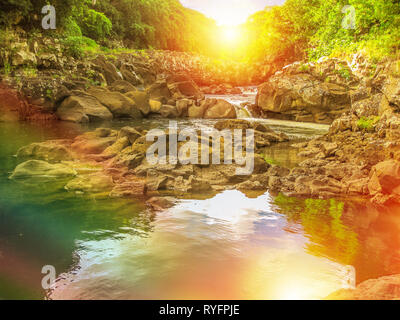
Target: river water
[(230, 246)]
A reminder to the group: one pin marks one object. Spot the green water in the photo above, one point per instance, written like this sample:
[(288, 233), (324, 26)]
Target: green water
[(230, 246)]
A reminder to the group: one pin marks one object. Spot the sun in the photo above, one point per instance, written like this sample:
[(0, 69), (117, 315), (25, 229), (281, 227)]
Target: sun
[(230, 35)]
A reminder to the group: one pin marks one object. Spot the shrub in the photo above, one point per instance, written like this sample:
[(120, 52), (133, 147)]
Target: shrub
[(368, 124), (77, 46)]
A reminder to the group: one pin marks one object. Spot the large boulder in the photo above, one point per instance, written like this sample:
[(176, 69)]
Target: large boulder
[(51, 151), (92, 183), (181, 84), (141, 100), (385, 178), (120, 105), (302, 94), (108, 69), (219, 109), (82, 107), (39, 168)]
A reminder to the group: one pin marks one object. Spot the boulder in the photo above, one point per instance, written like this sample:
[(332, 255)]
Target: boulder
[(129, 75), (51, 151), (92, 183), (108, 69), (141, 100), (120, 105), (294, 91), (167, 111), (161, 203), (218, 109), (134, 188), (159, 91), (39, 168), (131, 133), (83, 108), (122, 86), (385, 178), (155, 106)]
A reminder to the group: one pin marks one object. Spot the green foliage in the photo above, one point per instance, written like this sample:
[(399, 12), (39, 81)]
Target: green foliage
[(368, 124), (78, 46), (95, 24), (72, 29), (315, 28)]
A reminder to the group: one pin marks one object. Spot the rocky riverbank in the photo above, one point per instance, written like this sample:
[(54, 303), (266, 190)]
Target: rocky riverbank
[(114, 162)]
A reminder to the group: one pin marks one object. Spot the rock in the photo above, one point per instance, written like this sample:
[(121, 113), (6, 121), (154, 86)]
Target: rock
[(161, 203), (385, 178), (39, 168), (191, 185), (131, 133), (250, 185), (50, 151), (119, 105), (294, 90), (122, 86), (129, 74), (155, 106), (141, 100), (83, 108), (384, 288), (92, 183), (167, 111), (196, 112), (108, 69), (218, 109), (183, 106), (116, 148), (135, 188), (92, 144), (159, 91), (183, 85)]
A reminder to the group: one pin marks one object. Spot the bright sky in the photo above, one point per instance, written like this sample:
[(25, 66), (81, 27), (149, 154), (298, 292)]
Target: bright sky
[(229, 12)]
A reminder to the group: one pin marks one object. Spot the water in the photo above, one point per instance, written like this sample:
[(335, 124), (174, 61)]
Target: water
[(229, 246)]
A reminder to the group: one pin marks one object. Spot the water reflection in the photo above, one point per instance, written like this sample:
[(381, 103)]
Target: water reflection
[(229, 247)]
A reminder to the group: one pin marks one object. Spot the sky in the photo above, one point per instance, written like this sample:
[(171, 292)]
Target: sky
[(229, 12)]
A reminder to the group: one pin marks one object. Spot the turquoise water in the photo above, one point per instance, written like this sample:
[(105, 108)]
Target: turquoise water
[(230, 246)]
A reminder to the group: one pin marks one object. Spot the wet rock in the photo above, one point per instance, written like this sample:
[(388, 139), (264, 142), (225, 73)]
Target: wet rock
[(92, 183), (116, 147), (131, 133), (385, 178), (161, 203), (191, 185), (39, 168), (135, 188), (83, 108), (50, 151)]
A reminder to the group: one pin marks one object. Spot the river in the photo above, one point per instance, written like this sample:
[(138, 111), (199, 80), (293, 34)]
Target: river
[(229, 246)]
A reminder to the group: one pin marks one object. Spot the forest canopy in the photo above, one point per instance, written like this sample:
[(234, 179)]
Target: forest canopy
[(297, 29)]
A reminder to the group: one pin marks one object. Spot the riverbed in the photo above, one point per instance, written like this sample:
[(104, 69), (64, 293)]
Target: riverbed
[(228, 246)]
